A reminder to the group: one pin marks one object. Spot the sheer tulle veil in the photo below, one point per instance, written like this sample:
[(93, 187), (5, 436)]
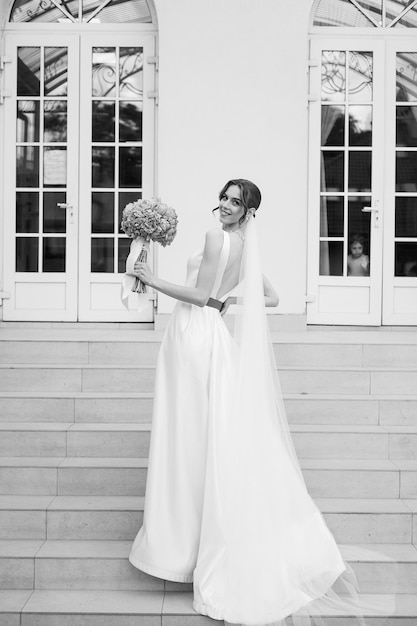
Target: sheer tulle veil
[(280, 552)]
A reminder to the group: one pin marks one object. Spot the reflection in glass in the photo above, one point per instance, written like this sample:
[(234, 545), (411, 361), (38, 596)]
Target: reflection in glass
[(27, 122), (408, 21), (406, 76), (360, 76), (406, 171), (27, 166), (332, 171), (340, 13), (331, 258), (130, 167), (104, 71), (42, 11), (124, 246), (130, 121), (103, 120), (54, 166), (332, 125), (333, 75), (102, 167), (27, 254), (131, 72), (112, 11), (359, 177), (55, 120), (54, 217), (56, 72), (360, 125), (406, 126), (28, 71), (27, 212), (406, 259), (102, 212), (406, 217), (124, 198), (54, 254), (331, 216), (102, 255)]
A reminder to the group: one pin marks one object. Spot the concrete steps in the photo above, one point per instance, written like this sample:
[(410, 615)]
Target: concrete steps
[(75, 412), (103, 565), (132, 439), (351, 520)]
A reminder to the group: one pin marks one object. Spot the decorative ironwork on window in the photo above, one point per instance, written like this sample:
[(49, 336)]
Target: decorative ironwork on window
[(76, 11), (367, 13)]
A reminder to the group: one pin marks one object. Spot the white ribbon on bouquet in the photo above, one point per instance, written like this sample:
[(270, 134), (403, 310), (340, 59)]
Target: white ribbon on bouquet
[(131, 299)]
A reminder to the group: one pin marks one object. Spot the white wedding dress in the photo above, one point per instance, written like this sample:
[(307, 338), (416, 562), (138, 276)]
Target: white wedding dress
[(226, 505)]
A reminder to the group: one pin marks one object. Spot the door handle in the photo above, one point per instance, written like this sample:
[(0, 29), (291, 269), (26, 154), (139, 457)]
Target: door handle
[(375, 211), (69, 207)]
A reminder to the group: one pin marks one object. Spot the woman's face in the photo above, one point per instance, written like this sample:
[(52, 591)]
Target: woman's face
[(231, 208)]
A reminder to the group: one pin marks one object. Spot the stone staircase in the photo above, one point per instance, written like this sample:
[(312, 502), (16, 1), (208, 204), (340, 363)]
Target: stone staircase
[(75, 411)]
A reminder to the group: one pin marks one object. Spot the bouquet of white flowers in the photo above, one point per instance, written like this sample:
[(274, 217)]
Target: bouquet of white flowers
[(144, 221)]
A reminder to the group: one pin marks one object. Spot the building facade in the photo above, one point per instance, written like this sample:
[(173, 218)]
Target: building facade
[(105, 101)]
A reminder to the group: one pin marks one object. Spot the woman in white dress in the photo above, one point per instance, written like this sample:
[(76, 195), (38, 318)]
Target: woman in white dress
[(226, 505)]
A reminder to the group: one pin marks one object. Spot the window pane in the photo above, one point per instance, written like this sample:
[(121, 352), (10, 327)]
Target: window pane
[(27, 123), (406, 76), (360, 171), (27, 166), (130, 121), (331, 216), (28, 71), (359, 225), (104, 72), (54, 167), (131, 72), (55, 120), (407, 126), (333, 75), (103, 167), (124, 198), (103, 121), (331, 258), (124, 247), (332, 171), (42, 11), (360, 76), (332, 125), (54, 217), (119, 11), (27, 254), (406, 217), (360, 125), (54, 254), (102, 212), (56, 72), (27, 212), (406, 259), (408, 21), (130, 167), (406, 171), (102, 255), (340, 13)]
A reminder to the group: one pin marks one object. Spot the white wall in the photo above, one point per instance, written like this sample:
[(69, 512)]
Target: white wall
[(233, 103)]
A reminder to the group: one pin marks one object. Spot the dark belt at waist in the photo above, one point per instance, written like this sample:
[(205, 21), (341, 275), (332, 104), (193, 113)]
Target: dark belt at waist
[(216, 304)]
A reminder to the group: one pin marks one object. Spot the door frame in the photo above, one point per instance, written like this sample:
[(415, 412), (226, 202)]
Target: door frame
[(322, 291)]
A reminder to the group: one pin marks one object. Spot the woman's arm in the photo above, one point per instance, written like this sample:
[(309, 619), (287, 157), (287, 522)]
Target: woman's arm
[(207, 274)]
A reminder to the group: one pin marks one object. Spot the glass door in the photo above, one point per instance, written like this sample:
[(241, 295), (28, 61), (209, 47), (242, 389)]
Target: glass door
[(116, 163), (41, 215), (346, 182), (400, 224)]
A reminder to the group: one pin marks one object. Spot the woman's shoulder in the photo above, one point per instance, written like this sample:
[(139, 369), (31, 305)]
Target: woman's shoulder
[(214, 236)]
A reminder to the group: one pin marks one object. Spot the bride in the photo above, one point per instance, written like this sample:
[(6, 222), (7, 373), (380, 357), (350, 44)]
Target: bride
[(226, 504)]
